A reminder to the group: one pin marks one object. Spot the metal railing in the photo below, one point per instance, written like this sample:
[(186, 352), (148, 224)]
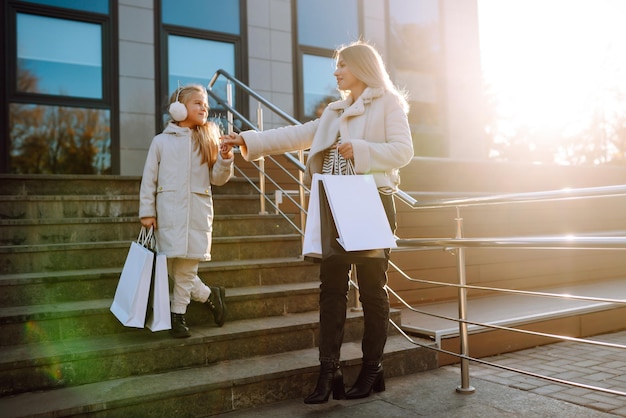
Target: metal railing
[(457, 244), (297, 162), (460, 244)]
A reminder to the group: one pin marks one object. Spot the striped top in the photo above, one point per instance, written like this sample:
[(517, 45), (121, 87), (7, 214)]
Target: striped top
[(334, 163)]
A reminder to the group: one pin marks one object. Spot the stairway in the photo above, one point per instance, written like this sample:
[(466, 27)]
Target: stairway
[(63, 240)]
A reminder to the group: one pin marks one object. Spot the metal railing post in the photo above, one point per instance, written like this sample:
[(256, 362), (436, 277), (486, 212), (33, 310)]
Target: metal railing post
[(301, 193), (465, 386), (259, 116), (229, 100)]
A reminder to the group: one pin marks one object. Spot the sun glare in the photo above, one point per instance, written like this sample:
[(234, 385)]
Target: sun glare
[(553, 63)]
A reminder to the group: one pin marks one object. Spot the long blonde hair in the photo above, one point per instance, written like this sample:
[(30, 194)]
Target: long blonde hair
[(367, 65), (205, 137)]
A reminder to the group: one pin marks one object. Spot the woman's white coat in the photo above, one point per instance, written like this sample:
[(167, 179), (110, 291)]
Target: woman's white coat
[(375, 124)]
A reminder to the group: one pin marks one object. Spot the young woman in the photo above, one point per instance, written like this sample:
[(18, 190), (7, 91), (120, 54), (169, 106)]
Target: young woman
[(183, 161), (369, 126)]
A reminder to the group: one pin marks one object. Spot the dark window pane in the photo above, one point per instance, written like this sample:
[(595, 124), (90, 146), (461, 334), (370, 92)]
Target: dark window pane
[(327, 23), (213, 15), (320, 86), (59, 140), (96, 6), (67, 61)]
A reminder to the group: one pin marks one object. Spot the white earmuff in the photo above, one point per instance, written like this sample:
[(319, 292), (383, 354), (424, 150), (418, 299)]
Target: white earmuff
[(177, 110)]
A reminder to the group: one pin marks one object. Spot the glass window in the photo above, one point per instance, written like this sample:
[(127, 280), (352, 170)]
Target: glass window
[(319, 35), (59, 140), (319, 28), (96, 6), (320, 86), (67, 61), (195, 50), (415, 51), (193, 60), (213, 15), (59, 118)]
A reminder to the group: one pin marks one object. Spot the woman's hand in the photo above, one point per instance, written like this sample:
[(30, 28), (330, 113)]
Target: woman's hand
[(149, 222), (232, 140), (346, 151)]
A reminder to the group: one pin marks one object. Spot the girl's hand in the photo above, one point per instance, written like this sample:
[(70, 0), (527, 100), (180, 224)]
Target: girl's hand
[(226, 150), (149, 222)]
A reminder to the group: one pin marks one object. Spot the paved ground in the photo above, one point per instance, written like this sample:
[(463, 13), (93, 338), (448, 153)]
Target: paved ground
[(498, 392)]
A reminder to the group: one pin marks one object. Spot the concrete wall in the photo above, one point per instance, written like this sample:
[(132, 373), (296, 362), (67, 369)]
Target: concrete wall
[(136, 83)]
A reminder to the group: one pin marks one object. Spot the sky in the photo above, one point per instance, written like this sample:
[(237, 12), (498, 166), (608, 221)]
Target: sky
[(550, 62)]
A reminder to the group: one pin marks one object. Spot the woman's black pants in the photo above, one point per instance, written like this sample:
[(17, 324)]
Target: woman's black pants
[(372, 278)]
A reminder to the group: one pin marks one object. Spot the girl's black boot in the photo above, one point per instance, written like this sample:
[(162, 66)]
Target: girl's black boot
[(370, 379), (179, 326), (330, 379)]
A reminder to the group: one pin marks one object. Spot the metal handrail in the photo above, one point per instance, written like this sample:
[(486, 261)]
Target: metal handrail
[(460, 243), (252, 93), (297, 162), (528, 197), (543, 243)]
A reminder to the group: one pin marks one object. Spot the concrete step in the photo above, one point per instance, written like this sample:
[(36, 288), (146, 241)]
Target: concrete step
[(110, 185), (72, 362), (76, 230), (87, 318), (550, 315), (42, 184), (63, 206), (101, 206), (23, 289), (214, 388), (107, 254)]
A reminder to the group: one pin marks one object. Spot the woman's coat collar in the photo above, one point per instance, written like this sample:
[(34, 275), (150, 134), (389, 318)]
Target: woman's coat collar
[(346, 108)]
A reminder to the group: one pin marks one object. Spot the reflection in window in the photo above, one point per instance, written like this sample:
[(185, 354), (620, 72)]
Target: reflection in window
[(59, 140), (319, 28), (213, 15), (320, 86), (96, 6), (66, 61), (415, 48), (195, 61)]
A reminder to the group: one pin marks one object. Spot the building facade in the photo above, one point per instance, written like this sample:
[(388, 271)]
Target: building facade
[(86, 83)]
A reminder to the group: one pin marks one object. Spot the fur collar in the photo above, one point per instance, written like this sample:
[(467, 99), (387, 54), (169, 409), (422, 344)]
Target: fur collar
[(347, 108)]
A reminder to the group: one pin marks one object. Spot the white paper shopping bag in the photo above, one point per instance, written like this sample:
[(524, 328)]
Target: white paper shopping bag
[(158, 316), (312, 244), (131, 296), (358, 212)]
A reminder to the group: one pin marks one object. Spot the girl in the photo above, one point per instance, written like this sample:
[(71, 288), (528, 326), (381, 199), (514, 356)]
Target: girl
[(369, 126), (182, 163)]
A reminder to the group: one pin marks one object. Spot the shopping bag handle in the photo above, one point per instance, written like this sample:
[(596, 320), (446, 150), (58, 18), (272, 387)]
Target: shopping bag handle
[(146, 238), (349, 171)]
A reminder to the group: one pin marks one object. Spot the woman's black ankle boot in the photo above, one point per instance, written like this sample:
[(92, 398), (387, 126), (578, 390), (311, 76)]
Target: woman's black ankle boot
[(330, 379), (370, 379)]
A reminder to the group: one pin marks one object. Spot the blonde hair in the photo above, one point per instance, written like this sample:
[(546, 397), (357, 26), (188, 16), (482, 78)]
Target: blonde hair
[(367, 65), (205, 137)]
